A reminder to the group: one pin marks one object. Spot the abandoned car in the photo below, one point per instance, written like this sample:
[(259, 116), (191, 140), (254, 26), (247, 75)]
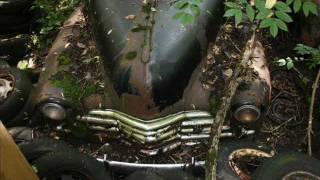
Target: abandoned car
[(157, 104)]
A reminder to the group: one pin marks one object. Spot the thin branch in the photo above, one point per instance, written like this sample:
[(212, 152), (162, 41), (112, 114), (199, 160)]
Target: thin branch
[(314, 91)]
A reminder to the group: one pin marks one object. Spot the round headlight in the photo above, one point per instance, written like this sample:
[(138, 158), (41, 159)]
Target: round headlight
[(54, 111), (247, 113)]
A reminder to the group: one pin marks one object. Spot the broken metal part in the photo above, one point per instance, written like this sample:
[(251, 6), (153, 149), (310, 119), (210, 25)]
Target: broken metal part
[(245, 152), (6, 86)]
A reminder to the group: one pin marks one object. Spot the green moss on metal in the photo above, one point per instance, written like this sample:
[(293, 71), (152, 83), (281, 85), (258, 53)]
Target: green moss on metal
[(63, 59), (72, 89), (131, 55)]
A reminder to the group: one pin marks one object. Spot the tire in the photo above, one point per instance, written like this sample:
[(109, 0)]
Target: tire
[(17, 97), (161, 175), (34, 149), (55, 164), (15, 6), (227, 148), (283, 164), (14, 46), (144, 175), (15, 24)]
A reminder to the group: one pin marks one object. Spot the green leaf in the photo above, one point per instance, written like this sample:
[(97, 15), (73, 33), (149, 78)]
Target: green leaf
[(281, 6), (250, 12), (288, 2), (283, 16), (266, 23), (264, 13), (282, 25), (232, 5), (198, 2), (274, 29), (308, 7), (230, 12), (195, 9), (182, 4), (290, 64), (187, 19), (238, 17), (178, 15), (260, 4), (296, 5), (243, 1)]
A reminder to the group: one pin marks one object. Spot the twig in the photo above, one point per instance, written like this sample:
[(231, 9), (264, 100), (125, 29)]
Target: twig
[(314, 91)]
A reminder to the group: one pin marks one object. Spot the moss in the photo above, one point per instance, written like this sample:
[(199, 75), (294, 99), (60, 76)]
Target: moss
[(131, 55), (73, 91), (63, 59), (214, 105)]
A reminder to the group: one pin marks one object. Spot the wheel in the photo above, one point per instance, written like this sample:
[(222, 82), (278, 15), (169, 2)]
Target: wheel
[(160, 175), (21, 134), (13, 24), (237, 159), (69, 165), (15, 6), (14, 45), (36, 148), (144, 175), (289, 166), (15, 87)]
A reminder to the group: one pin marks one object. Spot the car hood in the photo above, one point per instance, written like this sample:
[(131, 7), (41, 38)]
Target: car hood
[(151, 59)]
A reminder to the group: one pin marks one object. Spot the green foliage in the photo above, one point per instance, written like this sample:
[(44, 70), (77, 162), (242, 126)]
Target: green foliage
[(271, 14), (63, 59), (310, 55), (55, 13), (72, 89), (188, 11)]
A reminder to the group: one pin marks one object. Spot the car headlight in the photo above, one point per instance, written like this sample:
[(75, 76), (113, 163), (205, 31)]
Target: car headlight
[(247, 113), (54, 111)]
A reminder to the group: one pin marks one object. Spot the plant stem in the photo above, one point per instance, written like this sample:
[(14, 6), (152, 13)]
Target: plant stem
[(314, 91)]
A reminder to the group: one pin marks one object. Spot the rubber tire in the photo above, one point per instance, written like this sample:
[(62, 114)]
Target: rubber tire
[(55, 162), (144, 175), (15, 6), (224, 171), (281, 164), (17, 98), (14, 45), (15, 24), (36, 148), (160, 175)]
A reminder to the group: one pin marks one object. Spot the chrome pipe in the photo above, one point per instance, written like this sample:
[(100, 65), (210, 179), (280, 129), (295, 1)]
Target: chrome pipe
[(152, 124)]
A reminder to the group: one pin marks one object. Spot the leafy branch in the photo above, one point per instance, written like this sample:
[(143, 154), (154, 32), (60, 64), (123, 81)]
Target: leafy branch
[(268, 14)]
